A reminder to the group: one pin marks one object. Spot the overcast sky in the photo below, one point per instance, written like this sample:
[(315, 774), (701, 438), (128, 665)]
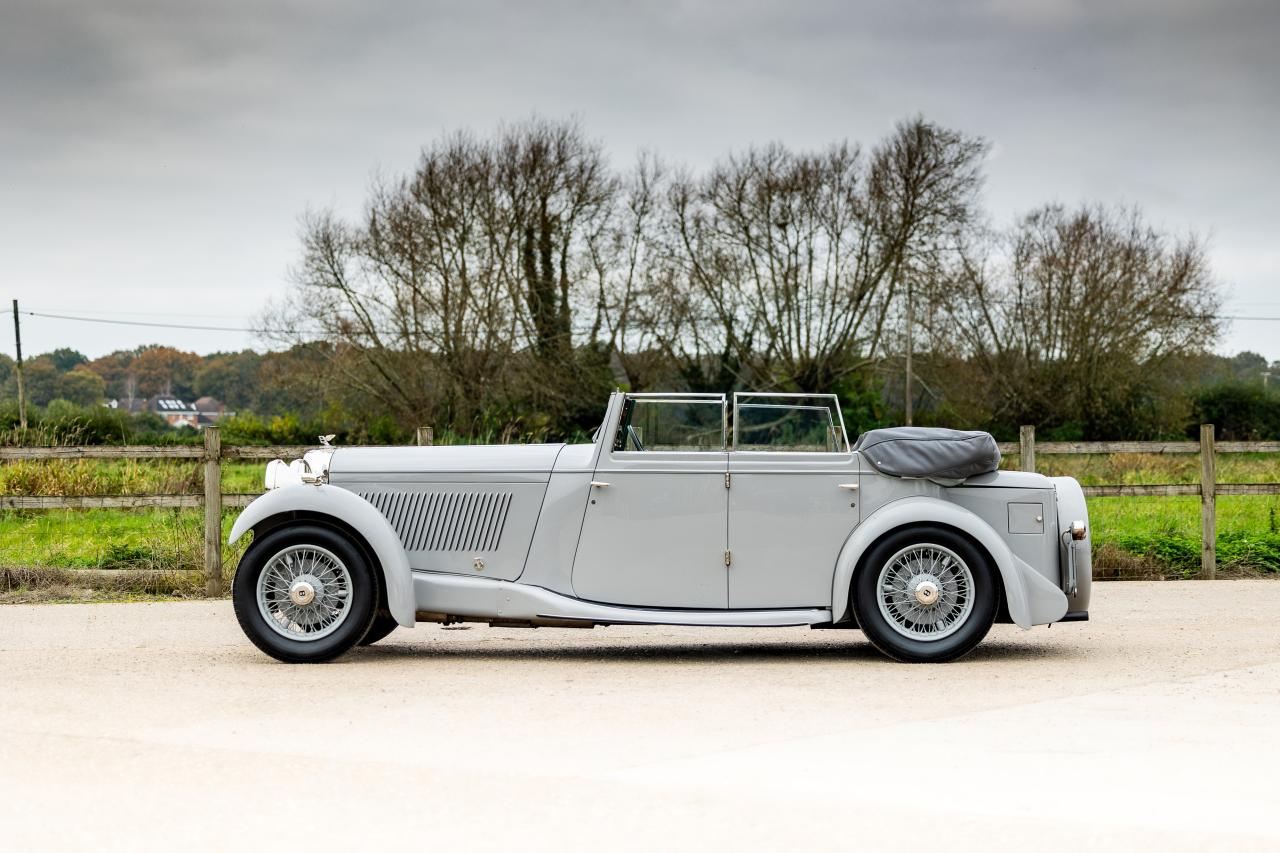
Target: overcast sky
[(155, 156)]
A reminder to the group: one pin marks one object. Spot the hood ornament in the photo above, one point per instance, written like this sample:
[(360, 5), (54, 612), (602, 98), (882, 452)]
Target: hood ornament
[(327, 440)]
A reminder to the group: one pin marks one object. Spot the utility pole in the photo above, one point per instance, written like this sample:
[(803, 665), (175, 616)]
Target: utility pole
[(908, 408), (22, 390)]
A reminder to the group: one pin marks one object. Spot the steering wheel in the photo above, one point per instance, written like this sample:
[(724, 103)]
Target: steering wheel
[(635, 439)]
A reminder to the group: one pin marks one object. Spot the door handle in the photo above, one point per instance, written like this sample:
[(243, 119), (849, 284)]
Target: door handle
[(853, 487), (599, 484)]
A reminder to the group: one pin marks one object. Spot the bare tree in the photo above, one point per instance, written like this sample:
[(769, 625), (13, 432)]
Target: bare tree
[(1069, 312), (462, 270), (925, 181), (413, 296), (503, 279), (628, 268), (792, 260), (556, 195)]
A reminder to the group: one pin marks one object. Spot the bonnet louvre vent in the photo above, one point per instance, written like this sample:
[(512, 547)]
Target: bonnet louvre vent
[(444, 521)]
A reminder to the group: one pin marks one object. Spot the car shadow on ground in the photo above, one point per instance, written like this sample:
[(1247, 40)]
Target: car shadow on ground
[(854, 649)]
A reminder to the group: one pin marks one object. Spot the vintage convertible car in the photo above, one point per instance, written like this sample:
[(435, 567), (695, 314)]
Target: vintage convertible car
[(683, 510)]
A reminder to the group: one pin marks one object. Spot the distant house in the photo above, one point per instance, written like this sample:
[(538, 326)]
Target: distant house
[(210, 410), (175, 412)]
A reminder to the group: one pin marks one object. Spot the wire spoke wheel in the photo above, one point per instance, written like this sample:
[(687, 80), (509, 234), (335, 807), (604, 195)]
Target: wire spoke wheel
[(925, 592), (304, 592)]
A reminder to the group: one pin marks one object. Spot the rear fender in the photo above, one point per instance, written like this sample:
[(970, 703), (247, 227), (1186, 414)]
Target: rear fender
[(1032, 599), (353, 511)]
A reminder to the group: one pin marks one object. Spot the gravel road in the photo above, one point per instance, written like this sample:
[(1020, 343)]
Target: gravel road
[(157, 726)]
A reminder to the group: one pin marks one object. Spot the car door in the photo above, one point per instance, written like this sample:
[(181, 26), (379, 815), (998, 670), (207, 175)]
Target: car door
[(655, 529), (793, 501)]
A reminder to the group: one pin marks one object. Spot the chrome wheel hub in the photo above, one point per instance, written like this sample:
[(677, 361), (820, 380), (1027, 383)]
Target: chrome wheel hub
[(925, 592), (304, 592)]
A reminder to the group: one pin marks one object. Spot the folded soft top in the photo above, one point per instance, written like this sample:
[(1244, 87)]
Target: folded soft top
[(928, 452)]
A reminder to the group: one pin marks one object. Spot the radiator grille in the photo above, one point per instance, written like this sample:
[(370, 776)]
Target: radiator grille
[(445, 521)]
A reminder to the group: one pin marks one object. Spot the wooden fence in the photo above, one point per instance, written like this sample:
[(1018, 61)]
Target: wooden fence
[(213, 453), (1208, 488)]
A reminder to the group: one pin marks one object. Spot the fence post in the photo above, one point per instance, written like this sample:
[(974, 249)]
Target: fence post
[(1027, 446), (212, 511), (425, 436), (1208, 505)]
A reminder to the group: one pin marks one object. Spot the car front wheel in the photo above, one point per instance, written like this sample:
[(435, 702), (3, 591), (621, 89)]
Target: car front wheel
[(925, 595), (383, 624), (304, 594)]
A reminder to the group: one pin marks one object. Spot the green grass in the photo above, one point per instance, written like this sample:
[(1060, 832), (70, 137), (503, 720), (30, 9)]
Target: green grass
[(147, 551), (145, 539), (1160, 537)]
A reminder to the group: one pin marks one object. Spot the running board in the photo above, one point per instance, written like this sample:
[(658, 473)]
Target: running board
[(457, 598)]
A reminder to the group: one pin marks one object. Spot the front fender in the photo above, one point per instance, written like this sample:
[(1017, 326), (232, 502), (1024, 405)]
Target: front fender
[(354, 511), (1032, 599)]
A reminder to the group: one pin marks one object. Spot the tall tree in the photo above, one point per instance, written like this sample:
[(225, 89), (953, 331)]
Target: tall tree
[(793, 260), (66, 358), (114, 370), (556, 193), (1071, 312), (82, 386), (231, 377), (165, 370), (460, 268)]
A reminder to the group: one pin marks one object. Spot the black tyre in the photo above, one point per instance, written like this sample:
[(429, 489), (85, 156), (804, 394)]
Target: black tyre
[(304, 594), (925, 594), (383, 624)]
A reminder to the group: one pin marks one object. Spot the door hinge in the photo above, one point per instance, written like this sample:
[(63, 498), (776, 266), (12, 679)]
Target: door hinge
[(728, 557), (726, 480)]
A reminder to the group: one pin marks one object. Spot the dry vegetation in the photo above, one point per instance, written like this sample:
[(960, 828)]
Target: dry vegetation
[(1155, 468), (121, 477)]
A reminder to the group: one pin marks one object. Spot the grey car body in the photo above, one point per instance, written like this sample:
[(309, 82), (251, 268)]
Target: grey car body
[(716, 527)]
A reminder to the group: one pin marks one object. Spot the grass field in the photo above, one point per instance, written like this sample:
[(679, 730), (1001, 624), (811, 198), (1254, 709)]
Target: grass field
[(1159, 537), (161, 549), (131, 552)]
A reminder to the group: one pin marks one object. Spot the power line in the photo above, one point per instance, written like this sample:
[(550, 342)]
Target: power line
[(103, 311), (154, 325), (192, 326), (242, 330)]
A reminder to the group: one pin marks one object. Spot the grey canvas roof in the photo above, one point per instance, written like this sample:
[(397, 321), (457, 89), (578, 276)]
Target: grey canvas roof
[(937, 454)]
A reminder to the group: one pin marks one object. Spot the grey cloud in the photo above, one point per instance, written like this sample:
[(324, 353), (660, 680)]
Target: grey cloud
[(161, 152)]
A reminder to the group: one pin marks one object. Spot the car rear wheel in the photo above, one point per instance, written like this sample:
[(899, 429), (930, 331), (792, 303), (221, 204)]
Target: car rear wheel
[(383, 624), (925, 595), (304, 594)]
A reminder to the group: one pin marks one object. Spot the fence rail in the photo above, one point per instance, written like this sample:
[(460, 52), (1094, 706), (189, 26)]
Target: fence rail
[(154, 451), (213, 453), (1208, 488), (213, 500), (1051, 448), (119, 501)]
